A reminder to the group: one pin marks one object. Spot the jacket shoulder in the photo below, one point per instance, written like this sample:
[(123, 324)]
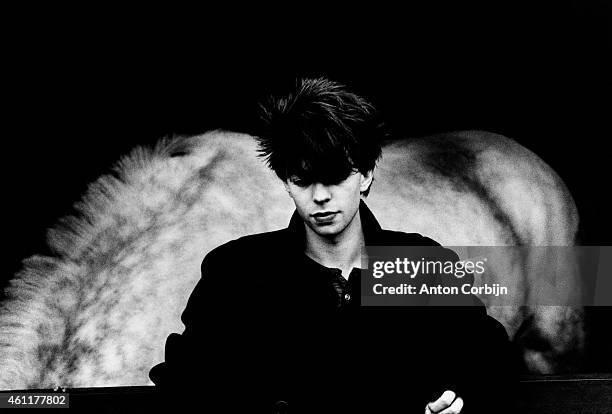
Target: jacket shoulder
[(406, 239), (247, 246), (400, 239)]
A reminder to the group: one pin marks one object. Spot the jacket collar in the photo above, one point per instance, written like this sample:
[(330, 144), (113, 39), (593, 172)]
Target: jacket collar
[(372, 232)]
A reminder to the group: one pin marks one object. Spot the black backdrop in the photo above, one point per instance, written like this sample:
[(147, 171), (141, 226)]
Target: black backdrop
[(80, 92)]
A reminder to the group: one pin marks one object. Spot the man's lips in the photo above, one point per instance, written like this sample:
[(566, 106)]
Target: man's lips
[(324, 216)]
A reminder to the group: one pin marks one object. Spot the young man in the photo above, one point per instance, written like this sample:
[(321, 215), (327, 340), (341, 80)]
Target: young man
[(276, 324)]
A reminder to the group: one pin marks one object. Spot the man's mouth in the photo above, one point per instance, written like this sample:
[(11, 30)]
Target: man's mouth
[(324, 216)]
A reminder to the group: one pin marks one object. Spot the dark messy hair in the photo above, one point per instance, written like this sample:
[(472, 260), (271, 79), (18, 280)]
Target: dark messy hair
[(320, 132)]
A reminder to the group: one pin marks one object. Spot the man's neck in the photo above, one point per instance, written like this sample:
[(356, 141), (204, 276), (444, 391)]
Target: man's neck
[(343, 251)]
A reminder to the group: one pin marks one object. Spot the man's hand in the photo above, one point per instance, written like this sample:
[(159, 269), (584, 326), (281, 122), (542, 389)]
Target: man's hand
[(448, 403)]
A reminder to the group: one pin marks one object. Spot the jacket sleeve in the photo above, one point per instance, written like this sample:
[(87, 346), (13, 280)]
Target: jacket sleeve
[(487, 374), (482, 363), (188, 354), (216, 362)]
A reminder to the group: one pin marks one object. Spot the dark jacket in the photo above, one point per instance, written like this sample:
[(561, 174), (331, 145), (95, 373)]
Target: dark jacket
[(262, 327)]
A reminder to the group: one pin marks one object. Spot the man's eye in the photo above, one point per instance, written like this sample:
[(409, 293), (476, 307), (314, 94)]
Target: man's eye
[(299, 182)]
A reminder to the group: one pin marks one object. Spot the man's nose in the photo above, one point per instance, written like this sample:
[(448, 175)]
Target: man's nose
[(320, 193)]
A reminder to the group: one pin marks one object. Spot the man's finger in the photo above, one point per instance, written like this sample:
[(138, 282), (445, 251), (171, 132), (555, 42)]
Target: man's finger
[(455, 407), (443, 402)]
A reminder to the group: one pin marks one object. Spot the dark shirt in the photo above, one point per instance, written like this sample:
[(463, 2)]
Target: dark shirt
[(347, 289), (267, 324)]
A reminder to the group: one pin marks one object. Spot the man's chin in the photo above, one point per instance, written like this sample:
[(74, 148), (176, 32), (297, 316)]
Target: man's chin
[(329, 230)]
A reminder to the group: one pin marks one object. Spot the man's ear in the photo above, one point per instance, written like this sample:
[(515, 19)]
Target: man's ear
[(366, 180)]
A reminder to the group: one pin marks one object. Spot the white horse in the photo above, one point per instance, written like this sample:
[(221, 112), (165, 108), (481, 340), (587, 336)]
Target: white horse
[(99, 312)]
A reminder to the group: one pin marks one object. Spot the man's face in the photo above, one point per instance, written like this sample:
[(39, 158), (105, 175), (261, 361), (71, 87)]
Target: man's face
[(328, 209)]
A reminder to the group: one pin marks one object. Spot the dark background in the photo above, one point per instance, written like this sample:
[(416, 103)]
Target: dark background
[(80, 92)]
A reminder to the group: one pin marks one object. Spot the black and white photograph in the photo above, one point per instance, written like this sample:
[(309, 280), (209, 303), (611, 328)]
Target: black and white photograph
[(238, 214)]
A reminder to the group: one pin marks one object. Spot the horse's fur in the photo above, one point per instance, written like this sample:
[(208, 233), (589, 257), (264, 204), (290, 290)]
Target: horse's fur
[(99, 311)]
